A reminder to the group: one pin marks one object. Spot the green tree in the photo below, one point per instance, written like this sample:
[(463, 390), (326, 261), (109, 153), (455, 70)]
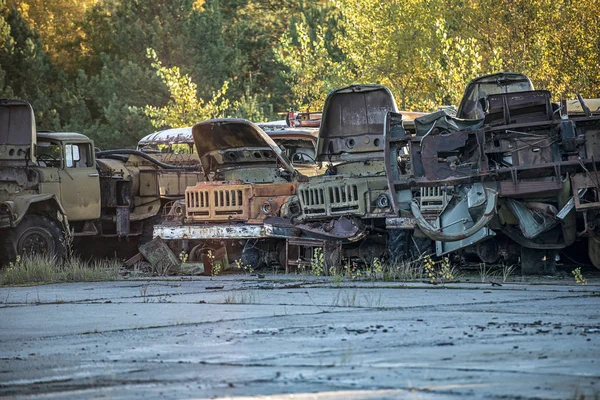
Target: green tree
[(27, 72), (184, 108), (311, 70), (58, 23)]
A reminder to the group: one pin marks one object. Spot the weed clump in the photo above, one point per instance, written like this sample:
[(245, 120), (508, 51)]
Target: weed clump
[(578, 276), (40, 268)]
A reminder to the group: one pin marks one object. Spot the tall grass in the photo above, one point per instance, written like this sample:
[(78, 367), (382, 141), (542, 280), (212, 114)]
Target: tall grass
[(405, 270), (39, 268)]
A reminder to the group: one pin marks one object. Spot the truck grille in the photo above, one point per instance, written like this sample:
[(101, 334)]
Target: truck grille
[(313, 197), (205, 202), (343, 198), (433, 200), (331, 199)]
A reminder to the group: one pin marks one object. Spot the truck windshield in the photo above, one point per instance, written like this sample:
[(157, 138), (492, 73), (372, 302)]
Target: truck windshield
[(473, 108), (49, 154)]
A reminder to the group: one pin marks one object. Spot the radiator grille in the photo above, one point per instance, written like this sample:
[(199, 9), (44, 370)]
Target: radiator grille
[(433, 199), (209, 202), (331, 199)]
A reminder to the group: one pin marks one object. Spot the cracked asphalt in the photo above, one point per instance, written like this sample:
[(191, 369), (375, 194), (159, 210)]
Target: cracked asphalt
[(298, 337)]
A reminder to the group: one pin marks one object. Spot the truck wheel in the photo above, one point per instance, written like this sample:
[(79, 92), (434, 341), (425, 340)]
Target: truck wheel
[(37, 235), (538, 262), (488, 251), (252, 257), (422, 246), (397, 245), (196, 253), (332, 256), (594, 250), (148, 228)]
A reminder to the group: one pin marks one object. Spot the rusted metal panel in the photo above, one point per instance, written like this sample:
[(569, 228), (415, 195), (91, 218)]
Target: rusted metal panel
[(160, 255), (591, 181), (122, 221), (518, 107), (438, 159), (477, 90), (236, 201), (17, 132), (400, 223), (522, 188), (218, 200)]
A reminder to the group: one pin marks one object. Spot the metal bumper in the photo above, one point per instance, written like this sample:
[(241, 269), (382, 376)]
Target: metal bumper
[(400, 223), (218, 232)]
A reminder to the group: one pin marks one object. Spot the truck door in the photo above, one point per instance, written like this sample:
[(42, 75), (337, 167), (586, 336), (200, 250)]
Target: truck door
[(80, 183)]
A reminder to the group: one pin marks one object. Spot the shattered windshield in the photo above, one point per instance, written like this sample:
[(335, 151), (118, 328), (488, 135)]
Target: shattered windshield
[(298, 150), (473, 108)]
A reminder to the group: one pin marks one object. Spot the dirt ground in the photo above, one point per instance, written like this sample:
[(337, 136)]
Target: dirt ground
[(297, 337)]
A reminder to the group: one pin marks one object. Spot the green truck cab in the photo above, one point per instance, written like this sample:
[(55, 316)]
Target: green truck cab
[(54, 187)]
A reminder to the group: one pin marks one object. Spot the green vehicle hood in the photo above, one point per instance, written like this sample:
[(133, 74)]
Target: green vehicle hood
[(17, 131)]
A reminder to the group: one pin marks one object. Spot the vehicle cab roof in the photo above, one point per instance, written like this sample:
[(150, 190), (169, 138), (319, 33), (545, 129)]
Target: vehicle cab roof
[(174, 135), (63, 136), (291, 133)]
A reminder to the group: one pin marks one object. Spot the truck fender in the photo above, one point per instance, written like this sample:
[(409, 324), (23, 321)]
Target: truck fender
[(436, 233), (46, 204)]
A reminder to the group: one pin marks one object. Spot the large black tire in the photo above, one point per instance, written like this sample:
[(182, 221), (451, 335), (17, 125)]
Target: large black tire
[(36, 235), (148, 228), (252, 257), (195, 254), (403, 245), (538, 262), (398, 245), (422, 246), (594, 250)]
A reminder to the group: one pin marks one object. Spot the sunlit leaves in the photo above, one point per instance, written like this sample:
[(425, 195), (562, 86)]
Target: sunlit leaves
[(427, 50), (184, 108), (312, 72)]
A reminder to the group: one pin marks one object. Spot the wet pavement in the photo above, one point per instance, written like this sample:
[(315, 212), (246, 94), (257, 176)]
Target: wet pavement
[(296, 337)]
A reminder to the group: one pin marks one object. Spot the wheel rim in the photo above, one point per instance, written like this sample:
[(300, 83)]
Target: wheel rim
[(196, 253), (36, 241)]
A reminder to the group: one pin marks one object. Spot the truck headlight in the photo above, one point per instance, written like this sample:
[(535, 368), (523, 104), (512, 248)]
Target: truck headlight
[(382, 201), (267, 207)]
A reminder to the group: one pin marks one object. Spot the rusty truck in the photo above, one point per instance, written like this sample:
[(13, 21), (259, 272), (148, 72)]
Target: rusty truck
[(54, 186), (296, 136), (251, 180), (514, 176)]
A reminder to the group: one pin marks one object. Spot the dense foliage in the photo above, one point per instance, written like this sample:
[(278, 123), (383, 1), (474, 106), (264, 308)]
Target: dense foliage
[(119, 69)]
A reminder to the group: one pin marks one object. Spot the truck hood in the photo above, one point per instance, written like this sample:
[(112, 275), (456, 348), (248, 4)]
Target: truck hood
[(236, 143), (17, 130), (352, 122)]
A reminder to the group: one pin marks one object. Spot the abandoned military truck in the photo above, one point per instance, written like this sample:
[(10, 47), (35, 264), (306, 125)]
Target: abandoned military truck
[(515, 180), (54, 187), (348, 204), (251, 180), (176, 146)]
